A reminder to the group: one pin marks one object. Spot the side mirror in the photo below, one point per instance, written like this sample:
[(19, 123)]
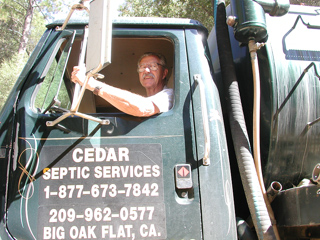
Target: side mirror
[(100, 36), (98, 54)]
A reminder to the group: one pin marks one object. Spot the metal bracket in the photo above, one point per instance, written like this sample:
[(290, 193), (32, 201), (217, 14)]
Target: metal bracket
[(80, 6)]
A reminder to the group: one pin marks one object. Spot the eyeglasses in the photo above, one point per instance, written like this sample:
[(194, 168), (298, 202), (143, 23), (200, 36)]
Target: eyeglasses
[(152, 66)]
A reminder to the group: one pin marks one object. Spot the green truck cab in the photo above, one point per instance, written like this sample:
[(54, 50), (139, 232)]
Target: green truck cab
[(74, 167), (130, 178)]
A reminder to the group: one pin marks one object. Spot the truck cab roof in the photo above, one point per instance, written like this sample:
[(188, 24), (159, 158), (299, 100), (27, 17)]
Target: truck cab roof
[(141, 22)]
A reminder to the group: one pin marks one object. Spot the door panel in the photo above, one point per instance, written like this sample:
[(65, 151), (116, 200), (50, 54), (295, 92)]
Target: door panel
[(84, 180)]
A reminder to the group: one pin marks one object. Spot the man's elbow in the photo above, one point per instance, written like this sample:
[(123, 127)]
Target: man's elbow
[(147, 112)]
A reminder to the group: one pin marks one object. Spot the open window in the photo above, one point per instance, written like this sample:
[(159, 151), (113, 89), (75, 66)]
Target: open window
[(121, 73)]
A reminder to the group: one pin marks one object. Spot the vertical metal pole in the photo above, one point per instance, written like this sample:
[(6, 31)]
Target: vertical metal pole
[(77, 95)]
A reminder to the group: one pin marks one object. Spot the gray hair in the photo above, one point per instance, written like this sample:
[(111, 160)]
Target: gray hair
[(162, 58)]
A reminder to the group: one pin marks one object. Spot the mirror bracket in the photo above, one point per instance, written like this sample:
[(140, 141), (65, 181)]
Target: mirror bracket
[(80, 7), (98, 53)]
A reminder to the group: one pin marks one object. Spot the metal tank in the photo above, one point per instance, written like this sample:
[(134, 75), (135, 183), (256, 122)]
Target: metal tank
[(289, 66)]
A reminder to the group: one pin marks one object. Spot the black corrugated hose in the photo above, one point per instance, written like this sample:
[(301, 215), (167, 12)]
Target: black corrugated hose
[(249, 178)]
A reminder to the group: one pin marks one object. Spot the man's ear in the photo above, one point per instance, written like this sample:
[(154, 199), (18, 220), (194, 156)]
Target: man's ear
[(165, 73)]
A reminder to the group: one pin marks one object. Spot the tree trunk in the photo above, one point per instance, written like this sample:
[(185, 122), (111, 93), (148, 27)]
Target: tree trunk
[(26, 28)]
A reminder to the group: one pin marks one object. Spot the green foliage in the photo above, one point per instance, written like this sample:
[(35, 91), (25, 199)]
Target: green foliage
[(200, 10), (12, 18), (37, 29), (9, 73), (11, 23)]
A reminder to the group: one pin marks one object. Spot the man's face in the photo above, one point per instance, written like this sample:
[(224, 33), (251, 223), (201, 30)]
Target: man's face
[(152, 79)]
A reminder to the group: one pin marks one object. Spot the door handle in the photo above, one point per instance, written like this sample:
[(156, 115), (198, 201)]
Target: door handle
[(206, 157)]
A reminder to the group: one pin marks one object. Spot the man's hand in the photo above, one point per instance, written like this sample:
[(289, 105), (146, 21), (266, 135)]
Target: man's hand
[(125, 101), (78, 75)]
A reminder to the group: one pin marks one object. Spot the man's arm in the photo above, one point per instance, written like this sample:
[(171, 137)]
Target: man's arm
[(125, 101)]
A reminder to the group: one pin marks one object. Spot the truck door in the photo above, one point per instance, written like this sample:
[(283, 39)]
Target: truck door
[(218, 218), (83, 180)]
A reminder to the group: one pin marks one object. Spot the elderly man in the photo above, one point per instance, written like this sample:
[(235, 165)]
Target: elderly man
[(152, 72)]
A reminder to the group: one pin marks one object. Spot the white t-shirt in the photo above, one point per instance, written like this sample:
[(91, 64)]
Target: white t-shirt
[(164, 99)]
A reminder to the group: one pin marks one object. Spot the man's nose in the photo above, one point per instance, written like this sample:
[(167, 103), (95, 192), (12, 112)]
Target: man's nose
[(147, 69)]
